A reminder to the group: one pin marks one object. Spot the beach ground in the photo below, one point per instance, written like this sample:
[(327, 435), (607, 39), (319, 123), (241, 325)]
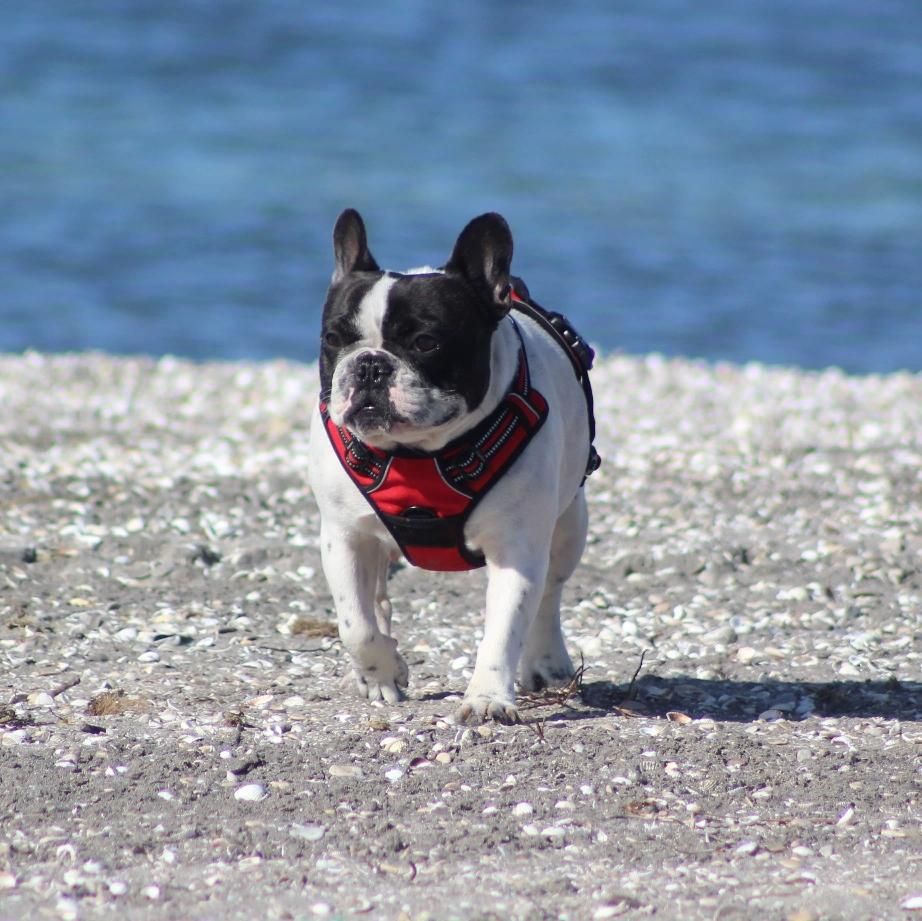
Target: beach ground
[(744, 742)]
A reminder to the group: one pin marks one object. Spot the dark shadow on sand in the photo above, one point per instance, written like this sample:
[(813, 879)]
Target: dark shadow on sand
[(745, 701)]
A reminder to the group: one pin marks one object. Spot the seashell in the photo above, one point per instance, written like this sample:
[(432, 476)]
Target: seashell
[(308, 832)]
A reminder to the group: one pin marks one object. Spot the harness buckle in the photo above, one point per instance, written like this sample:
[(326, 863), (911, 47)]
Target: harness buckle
[(594, 461)]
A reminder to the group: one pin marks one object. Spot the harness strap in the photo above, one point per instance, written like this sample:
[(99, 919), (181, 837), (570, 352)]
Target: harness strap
[(432, 542), (580, 353), (424, 499)]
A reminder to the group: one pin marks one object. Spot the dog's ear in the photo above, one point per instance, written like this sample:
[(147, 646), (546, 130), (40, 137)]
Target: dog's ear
[(350, 246), (483, 255)]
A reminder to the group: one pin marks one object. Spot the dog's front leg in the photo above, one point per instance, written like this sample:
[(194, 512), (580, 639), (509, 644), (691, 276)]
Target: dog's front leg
[(352, 564), (513, 595)]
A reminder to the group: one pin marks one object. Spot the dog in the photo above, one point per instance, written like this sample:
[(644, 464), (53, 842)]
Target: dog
[(450, 426)]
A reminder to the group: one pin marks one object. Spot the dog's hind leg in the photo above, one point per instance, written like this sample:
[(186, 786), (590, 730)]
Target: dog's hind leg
[(545, 661)]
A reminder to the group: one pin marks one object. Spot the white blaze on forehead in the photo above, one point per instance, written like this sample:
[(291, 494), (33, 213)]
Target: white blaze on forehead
[(370, 318)]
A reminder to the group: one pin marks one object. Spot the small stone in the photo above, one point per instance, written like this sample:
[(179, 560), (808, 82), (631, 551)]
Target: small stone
[(345, 770), (803, 914), (443, 758), (612, 910), (768, 716), (913, 903), (745, 654), (7, 880), (393, 775), (552, 831), (722, 636), (251, 793), (151, 892), (66, 909), (307, 832), (676, 716), (73, 878), (846, 816), (118, 887), (522, 809), (589, 646), (40, 699)]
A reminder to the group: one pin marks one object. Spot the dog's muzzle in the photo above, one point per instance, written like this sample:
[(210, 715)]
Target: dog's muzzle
[(371, 377), (373, 370)]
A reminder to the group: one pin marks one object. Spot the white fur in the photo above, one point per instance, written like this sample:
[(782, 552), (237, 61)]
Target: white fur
[(531, 528), (370, 318)]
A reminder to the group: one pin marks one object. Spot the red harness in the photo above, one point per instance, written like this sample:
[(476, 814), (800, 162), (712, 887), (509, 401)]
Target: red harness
[(424, 499)]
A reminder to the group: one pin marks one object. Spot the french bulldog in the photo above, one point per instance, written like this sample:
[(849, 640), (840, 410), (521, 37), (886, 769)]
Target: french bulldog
[(413, 365)]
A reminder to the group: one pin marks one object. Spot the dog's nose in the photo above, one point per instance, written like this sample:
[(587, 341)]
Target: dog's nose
[(373, 369)]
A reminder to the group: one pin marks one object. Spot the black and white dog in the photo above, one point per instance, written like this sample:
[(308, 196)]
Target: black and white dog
[(450, 426)]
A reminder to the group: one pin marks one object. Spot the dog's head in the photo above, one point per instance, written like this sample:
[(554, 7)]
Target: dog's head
[(403, 355)]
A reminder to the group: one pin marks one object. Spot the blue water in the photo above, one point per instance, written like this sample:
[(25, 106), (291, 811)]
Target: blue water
[(732, 180)]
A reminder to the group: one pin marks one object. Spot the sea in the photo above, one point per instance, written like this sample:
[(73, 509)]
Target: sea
[(730, 180)]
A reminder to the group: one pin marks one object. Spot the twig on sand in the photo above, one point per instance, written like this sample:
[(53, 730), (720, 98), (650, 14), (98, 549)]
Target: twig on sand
[(555, 697), (630, 694)]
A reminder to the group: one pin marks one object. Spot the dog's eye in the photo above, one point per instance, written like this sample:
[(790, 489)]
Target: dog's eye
[(332, 340), (425, 343)]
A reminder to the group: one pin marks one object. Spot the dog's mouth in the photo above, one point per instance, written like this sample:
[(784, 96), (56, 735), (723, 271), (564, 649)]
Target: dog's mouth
[(370, 421), (386, 416), (371, 415)]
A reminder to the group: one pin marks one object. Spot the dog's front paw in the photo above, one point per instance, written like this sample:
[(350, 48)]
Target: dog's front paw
[(388, 690), (380, 672), (480, 708)]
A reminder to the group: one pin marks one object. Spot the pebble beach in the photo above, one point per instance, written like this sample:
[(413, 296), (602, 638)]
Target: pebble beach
[(745, 739)]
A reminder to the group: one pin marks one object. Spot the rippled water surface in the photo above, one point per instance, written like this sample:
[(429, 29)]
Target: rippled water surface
[(732, 180)]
